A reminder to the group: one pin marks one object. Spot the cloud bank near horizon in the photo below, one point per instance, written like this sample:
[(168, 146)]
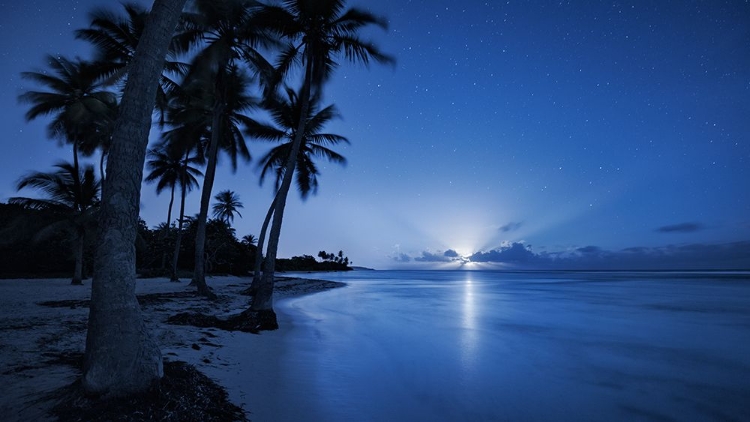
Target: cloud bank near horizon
[(517, 255), (681, 228)]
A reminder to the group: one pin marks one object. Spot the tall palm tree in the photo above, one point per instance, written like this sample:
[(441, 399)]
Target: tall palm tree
[(226, 206), (81, 108), (188, 182), (286, 112), (165, 171), (227, 37), (121, 356), (73, 197), (198, 117), (170, 168), (317, 31)]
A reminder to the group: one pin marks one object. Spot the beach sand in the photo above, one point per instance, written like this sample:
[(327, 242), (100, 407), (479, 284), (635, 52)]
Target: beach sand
[(43, 328)]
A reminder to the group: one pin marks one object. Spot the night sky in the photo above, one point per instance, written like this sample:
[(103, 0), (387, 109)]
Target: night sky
[(582, 134)]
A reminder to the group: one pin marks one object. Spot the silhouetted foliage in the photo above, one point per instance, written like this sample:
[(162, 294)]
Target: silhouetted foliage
[(227, 205), (71, 196), (225, 254), (309, 263), (21, 256), (334, 258)]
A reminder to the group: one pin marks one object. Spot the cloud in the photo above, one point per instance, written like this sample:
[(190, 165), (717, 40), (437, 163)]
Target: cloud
[(510, 227), (696, 256), (681, 228), (514, 253), (434, 257), (521, 256), (448, 256), (590, 250), (451, 253), (635, 249), (401, 257)]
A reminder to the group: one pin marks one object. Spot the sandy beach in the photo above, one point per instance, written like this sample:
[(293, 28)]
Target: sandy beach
[(43, 328)]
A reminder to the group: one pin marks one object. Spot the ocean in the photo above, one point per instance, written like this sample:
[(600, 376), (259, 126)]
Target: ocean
[(530, 346)]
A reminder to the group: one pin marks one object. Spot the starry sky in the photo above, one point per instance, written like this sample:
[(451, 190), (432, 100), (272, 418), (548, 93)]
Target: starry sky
[(509, 134)]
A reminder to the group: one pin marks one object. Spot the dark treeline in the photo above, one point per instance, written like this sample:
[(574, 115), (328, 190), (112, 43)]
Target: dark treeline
[(29, 251), (308, 263), (23, 254)]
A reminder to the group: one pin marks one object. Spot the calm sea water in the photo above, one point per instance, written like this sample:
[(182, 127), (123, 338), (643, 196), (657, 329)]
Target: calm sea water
[(492, 346)]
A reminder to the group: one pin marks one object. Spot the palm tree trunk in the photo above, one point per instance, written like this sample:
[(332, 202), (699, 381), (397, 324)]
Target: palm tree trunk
[(259, 250), (121, 356), (199, 273), (165, 232), (76, 178), (78, 272), (178, 240), (263, 298)]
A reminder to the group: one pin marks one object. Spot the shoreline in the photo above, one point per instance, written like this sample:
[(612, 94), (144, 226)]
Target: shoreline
[(43, 323)]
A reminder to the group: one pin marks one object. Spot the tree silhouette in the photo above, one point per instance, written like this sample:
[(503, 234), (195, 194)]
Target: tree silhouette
[(316, 33), (226, 206), (72, 197), (82, 110), (217, 84), (285, 112), (249, 239), (170, 168)]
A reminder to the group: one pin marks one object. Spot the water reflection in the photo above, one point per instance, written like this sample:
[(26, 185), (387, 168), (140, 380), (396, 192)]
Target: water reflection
[(469, 334)]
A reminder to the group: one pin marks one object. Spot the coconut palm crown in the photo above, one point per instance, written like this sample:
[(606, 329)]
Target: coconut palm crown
[(285, 111), (81, 108), (226, 206), (316, 32)]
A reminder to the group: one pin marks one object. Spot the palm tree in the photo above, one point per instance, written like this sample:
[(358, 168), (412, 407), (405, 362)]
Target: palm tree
[(188, 182), (169, 167), (249, 239), (227, 206), (317, 32), (285, 112), (73, 197), (199, 116), (165, 170), (82, 110), (121, 356), (115, 38), (227, 36)]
